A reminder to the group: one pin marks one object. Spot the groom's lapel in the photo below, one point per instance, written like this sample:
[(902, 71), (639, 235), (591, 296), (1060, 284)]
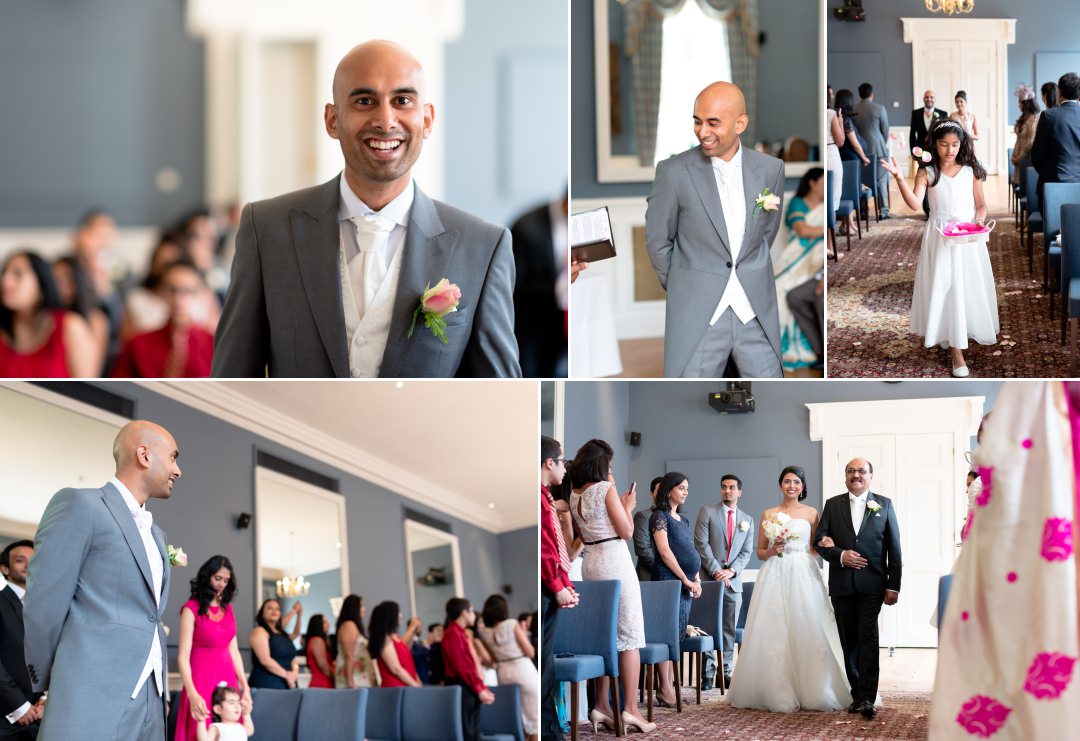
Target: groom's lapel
[(704, 182), (753, 179), (114, 501)]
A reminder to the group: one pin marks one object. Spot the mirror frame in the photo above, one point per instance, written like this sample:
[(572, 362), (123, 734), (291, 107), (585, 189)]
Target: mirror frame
[(455, 553), (625, 168), (261, 473)]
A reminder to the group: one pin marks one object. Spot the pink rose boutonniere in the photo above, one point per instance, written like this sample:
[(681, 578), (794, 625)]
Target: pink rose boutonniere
[(435, 303), (766, 201), (177, 557)]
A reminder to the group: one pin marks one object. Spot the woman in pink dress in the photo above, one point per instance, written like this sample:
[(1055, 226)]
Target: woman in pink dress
[(208, 652)]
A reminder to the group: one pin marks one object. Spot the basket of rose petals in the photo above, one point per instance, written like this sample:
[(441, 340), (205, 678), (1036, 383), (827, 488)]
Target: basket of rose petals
[(963, 232)]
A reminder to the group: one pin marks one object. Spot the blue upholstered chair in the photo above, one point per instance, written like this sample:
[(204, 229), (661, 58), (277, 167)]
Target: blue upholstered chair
[(275, 714), (332, 715), (430, 714), (850, 191), (1054, 196), (830, 216), (944, 585), (868, 173), (501, 720), (1033, 214), (740, 625), (585, 645), (697, 647), (1070, 273), (706, 612), (383, 716), (1021, 195), (660, 606)]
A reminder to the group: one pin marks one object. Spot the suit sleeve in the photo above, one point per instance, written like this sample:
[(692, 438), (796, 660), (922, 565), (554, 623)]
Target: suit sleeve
[(242, 342), (1038, 147), (11, 695), (662, 221), (740, 561), (492, 351), (62, 544), (832, 555), (701, 540), (894, 566), (772, 226), (643, 543), (883, 124)]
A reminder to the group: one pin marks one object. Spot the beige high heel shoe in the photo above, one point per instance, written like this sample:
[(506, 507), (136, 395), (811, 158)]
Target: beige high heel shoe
[(630, 723), (599, 719)]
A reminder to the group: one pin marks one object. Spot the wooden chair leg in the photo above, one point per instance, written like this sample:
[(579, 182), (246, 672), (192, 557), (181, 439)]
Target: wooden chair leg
[(649, 670), (642, 674), (1064, 316), (697, 684), (1074, 324), (678, 692), (616, 708), (573, 710)]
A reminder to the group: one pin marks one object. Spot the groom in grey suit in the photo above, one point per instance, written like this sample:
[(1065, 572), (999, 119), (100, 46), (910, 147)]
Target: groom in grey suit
[(708, 240), (724, 536), (95, 597), (326, 280)]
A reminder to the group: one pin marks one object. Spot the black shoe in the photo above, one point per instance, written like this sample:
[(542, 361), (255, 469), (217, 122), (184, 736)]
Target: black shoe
[(867, 709), (885, 217), (707, 684), (854, 707), (727, 681)]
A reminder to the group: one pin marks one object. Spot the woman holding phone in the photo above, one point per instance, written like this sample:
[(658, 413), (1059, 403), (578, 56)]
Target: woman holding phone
[(606, 520)]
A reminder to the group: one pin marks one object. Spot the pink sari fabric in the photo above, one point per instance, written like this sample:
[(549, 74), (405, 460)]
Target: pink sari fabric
[(1008, 644), (210, 662)]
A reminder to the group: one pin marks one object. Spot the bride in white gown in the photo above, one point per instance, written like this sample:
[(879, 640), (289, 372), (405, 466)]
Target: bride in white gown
[(790, 658)]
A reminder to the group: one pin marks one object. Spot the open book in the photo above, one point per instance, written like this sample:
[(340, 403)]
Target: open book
[(590, 235)]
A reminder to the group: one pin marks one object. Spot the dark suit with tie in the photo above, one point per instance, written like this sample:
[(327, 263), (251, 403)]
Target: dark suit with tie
[(539, 323), (918, 131), (15, 686), (857, 594), (284, 316), (1055, 153)]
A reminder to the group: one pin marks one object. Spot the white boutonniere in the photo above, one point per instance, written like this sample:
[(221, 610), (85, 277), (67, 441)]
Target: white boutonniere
[(177, 557), (744, 526), (873, 506), (766, 201)]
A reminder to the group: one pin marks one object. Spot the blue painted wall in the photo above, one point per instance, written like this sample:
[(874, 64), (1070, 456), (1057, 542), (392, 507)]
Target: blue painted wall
[(880, 48), (518, 555)]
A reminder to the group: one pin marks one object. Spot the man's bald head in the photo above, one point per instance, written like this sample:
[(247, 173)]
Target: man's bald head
[(719, 118), (928, 99), (145, 455), (376, 55)]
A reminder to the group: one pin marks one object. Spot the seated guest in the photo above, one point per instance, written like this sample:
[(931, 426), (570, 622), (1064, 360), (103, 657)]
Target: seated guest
[(180, 349), (77, 294), (799, 261), (38, 339), (460, 664), (510, 645), (318, 653), (390, 651), (807, 305), (353, 667), (20, 707), (421, 652), (272, 650)]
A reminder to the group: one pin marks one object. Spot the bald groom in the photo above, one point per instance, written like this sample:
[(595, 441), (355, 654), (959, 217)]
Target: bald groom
[(708, 239)]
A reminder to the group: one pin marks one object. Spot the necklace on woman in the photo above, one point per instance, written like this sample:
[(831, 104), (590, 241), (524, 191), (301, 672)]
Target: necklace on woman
[(219, 616)]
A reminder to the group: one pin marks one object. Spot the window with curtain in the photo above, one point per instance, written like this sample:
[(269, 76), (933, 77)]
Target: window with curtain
[(694, 54)]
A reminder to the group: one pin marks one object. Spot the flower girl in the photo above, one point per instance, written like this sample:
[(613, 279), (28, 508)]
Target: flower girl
[(954, 297), (232, 721)]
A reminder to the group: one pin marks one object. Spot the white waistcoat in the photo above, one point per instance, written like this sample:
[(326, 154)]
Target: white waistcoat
[(367, 335)]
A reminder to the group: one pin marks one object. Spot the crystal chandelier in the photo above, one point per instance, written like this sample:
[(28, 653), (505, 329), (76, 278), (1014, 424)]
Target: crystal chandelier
[(950, 7), (292, 586)]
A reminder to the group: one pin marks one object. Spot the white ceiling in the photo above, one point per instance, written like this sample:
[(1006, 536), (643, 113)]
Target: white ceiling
[(459, 446)]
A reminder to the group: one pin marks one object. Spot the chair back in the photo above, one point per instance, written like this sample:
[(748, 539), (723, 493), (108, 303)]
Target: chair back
[(431, 713), (1031, 190), (831, 221), (869, 175), (1070, 243), (747, 594), (852, 185), (1055, 195), (383, 716), (944, 585), (503, 717), (275, 714), (332, 715), (1008, 158), (592, 626), (707, 611), (660, 605)]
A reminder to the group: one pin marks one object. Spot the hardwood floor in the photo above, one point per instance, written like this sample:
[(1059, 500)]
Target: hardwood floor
[(644, 358)]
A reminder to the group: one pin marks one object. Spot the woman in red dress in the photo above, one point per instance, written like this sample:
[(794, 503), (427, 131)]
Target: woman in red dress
[(38, 339), (390, 651), (319, 662)]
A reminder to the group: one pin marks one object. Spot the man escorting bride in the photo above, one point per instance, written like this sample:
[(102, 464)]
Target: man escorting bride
[(795, 655)]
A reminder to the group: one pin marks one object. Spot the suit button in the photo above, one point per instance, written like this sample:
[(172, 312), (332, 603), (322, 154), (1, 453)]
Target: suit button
[(152, 618), (729, 264)]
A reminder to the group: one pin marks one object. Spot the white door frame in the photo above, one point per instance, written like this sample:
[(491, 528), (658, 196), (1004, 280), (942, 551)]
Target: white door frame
[(1001, 31)]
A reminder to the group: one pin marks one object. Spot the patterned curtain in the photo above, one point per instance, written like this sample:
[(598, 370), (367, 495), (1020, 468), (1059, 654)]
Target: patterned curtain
[(742, 23)]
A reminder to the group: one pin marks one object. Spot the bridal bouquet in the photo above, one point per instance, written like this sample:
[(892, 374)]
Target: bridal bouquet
[(776, 529)]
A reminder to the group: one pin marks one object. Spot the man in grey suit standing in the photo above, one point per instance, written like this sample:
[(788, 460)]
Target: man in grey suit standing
[(724, 536), (328, 281), (96, 593), (872, 121), (713, 213)]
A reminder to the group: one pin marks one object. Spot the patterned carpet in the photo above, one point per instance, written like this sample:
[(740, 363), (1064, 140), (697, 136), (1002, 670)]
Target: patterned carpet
[(870, 298), (904, 716)]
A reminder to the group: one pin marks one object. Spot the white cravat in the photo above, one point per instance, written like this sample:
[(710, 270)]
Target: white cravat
[(858, 510), (144, 520), (367, 268), (729, 182)]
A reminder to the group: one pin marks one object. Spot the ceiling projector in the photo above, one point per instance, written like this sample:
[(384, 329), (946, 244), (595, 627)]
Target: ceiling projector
[(852, 12), (736, 399)]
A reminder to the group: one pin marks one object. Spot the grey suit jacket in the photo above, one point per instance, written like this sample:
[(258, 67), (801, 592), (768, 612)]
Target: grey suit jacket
[(872, 122), (710, 537), (283, 314), (688, 246), (90, 613)]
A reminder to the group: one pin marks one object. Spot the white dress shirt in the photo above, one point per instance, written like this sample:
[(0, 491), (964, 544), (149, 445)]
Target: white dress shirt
[(143, 521), (23, 709), (729, 182), (858, 509)]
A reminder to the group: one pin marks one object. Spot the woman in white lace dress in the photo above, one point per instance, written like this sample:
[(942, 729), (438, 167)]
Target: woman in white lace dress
[(606, 520), (508, 643)]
